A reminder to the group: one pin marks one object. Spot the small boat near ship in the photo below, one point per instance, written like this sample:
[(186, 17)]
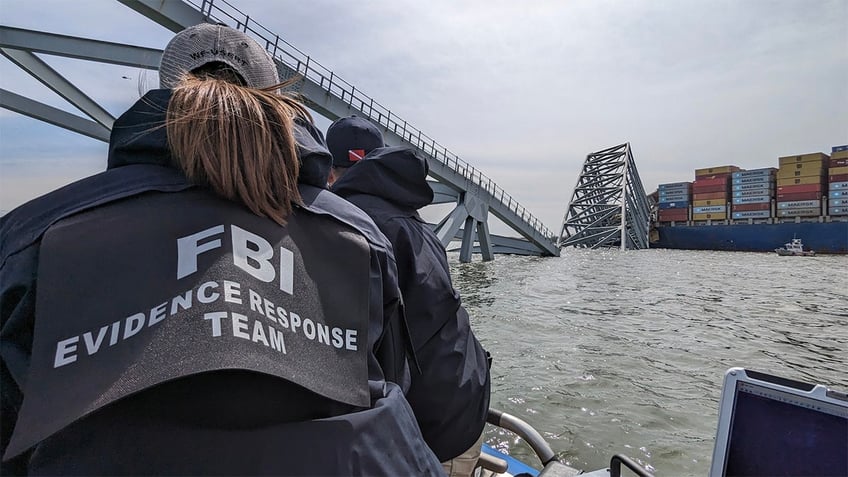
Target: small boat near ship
[(795, 249)]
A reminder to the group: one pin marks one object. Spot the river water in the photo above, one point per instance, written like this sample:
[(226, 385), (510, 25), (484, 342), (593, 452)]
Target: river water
[(608, 352)]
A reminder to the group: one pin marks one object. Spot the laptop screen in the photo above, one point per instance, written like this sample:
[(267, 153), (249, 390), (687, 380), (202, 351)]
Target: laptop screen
[(770, 426)]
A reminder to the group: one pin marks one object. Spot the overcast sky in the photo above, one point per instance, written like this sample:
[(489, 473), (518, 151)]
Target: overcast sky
[(523, 91)]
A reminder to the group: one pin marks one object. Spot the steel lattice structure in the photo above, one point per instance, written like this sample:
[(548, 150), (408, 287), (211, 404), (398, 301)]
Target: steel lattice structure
[(609, 207)]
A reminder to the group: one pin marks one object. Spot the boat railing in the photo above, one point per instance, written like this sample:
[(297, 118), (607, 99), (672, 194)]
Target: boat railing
[(303, 65)]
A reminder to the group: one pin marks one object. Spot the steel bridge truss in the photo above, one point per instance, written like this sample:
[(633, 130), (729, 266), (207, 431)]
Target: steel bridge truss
[(474, 195), (609, 207)]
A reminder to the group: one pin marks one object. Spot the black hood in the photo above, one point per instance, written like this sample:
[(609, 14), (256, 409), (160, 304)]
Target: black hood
[(396, 174), (139, 137)]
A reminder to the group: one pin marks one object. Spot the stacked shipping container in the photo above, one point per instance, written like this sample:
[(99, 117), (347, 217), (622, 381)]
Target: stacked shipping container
[(674, 201), (804, 186), (752, 193), (801, 184), (838, 181), (710, 192)]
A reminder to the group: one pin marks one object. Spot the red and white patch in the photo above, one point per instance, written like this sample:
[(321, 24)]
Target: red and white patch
[(354, 155)]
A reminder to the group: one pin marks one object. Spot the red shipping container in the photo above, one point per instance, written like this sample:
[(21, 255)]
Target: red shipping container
[(799, 196), (839, 177), (794, 189), (709, 188), (710, 195), (711, 182), (841, 162), (747, 207), (676, 215)]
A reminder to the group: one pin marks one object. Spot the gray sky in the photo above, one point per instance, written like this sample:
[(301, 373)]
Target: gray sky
[(523, 91)]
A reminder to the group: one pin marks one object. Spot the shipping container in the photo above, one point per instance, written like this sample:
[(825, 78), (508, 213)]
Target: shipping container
[(799, 204), (837, 211), (799, 196), (673, 196), (752, 180), (710, 195), (674, 205), (838, 178), (709, 210), (811, 157), (710, 216), (793, 189), (801, 181), (803, 172), (838, 194), (716, 170), (746, 207), (708, 189), (838, 161), (768, 171), (838, 202), (753, 193), (710, 182), (843, 148), (675, 185), (709, 202), (677, 217), (835, 171), (752, 214), (810, 212), (837, 186), (760, 186), (752, 200)]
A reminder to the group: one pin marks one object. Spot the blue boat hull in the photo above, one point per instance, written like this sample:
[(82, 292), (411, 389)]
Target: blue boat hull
[(830, 237)]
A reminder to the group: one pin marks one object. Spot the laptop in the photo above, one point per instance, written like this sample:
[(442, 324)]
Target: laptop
[(772, 426)]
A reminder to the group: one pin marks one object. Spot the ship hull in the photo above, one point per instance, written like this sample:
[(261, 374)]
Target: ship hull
[(823, 238)]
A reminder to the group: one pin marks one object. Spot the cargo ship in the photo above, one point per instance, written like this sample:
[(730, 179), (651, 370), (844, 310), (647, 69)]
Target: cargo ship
[(733, 209)]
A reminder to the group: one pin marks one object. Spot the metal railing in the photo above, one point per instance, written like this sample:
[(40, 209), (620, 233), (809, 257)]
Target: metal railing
[(302, 64)]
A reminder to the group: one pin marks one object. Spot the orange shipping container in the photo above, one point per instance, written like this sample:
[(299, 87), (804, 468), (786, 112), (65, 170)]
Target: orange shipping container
[(712, 216), (704, 203), (712, 195)]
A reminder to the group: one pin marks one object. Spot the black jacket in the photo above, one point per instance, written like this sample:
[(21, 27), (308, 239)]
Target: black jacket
[(225, 421), (450, 394)]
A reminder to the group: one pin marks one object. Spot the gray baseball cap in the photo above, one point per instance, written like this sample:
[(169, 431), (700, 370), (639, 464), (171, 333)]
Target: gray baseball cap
[(206, 43)]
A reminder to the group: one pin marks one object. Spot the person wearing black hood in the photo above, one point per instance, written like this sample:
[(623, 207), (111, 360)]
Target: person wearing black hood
[(205, 305), (450, 391)]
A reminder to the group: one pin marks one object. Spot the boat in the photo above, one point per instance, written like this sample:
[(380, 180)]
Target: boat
[(494, 463), (794, 248), (823, 237), (728, 208)]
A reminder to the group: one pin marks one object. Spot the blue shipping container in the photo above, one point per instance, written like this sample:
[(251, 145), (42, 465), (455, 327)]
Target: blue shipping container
[(675, 198), (755, 186), (768, 171), (838, 185), (837, 211), (799, 204), (838, 194), (752, 214), (838, 202), (752, 180), (712, 209), (839, 148), (752, 200), (753, 193), (675, 185), (674, 205)]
